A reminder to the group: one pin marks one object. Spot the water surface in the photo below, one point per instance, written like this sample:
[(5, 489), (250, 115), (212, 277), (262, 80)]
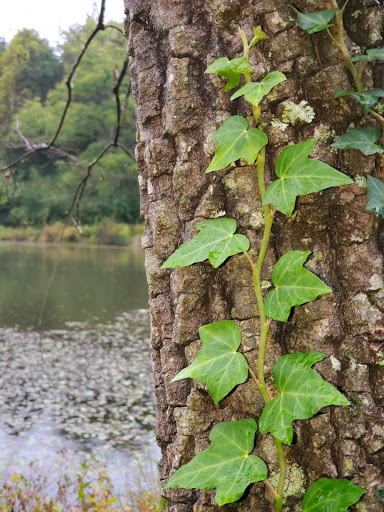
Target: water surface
[(81, 379)]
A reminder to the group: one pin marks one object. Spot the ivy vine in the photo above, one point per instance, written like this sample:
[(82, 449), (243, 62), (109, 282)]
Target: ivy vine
[(227, 465)]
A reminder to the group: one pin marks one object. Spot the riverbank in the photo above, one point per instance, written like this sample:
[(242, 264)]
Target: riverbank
[(106, 232)]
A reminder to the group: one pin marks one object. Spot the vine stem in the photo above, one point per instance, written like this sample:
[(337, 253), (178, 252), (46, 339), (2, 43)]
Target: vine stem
[(340, 43), (256, 273)]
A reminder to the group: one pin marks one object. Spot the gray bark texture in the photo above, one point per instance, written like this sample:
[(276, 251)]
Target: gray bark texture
[(171, 42)]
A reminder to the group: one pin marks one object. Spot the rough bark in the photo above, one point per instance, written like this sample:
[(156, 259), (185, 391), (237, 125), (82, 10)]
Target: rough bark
[(171, 42)]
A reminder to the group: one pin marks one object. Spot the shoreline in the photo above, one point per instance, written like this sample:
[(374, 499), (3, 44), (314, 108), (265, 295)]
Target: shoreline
[(107, 233)]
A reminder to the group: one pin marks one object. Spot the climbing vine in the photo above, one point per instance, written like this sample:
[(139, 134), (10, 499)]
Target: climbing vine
[(300, 392)]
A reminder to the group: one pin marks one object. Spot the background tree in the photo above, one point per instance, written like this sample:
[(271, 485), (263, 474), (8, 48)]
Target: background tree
[(171, 43)]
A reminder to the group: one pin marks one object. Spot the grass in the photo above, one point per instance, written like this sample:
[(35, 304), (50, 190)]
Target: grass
[(107, 232), (89, 490)]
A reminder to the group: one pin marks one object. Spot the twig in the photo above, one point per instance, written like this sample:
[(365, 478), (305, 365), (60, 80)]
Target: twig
[(99, 26), (116, 91), (22, 137)]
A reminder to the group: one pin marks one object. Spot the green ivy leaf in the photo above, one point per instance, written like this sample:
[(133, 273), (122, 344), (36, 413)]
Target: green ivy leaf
[(375, 189), (379, 493), (315, 21), (300, 175), (218, 364), (372, 55), (231, 69), (254, 91), (235, 142), (303, 394), (360, 138), (294, 285), (226, 465), (257, 35), (367, 99), (216, 242), (327, 495)]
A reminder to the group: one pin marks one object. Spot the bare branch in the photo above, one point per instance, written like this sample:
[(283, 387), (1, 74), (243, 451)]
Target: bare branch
[(116, 93), (99, 26), (24, 139), (116, 28)]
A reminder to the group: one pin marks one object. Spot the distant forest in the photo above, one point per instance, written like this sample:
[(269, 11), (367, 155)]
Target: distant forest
[(32, 97)]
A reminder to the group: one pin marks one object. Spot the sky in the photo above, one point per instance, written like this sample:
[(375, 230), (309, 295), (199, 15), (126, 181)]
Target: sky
[(51, 17)]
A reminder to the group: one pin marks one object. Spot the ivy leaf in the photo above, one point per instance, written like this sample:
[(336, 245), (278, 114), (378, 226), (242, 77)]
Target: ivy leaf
[(367, 99), (236, 141), (372, 55), (294, 285), (303, 394), (328, 495), (216, 242), (218, 364), (375, 189), (226, 465), (360, 138), (315, 21), (379, 493), (300, 175), (254, 91), (257, 35), (231, 69)]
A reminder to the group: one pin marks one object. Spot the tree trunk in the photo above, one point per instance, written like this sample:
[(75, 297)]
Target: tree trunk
[(171, 42)]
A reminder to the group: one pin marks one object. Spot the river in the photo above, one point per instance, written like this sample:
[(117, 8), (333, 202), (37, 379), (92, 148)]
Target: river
[(75, 364)]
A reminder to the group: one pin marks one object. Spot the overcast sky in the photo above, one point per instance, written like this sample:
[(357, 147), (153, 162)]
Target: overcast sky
[(50, 17)]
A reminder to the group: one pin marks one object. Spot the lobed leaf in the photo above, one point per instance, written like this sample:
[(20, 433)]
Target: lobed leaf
[(303, 394), (375, 189), (328, 495), (360, 138), (294, 285), (216, 242), (218, 364), (371, 55), (367, 99), (226, 465), (254, 91), (300, 175), (235, 142), (315, 21), (231, 69)]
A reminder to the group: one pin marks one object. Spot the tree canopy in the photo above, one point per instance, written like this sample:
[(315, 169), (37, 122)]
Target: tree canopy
[(33, 94)]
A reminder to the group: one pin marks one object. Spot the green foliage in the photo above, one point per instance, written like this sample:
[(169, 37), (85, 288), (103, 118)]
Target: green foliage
[(371, 55), (215, 241), (300, 175), (254, 91), (327, 495), (235, 142), (303, 392), (294, 285), (218, 364), (226, 465), (367, 99), (375, 189), (28, 69), (315, 21), (46, 183), (360, 138), (379, 493), (231, 69)]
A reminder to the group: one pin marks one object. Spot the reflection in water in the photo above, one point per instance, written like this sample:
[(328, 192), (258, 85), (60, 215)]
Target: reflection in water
[(83, 382), (91, 284)]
